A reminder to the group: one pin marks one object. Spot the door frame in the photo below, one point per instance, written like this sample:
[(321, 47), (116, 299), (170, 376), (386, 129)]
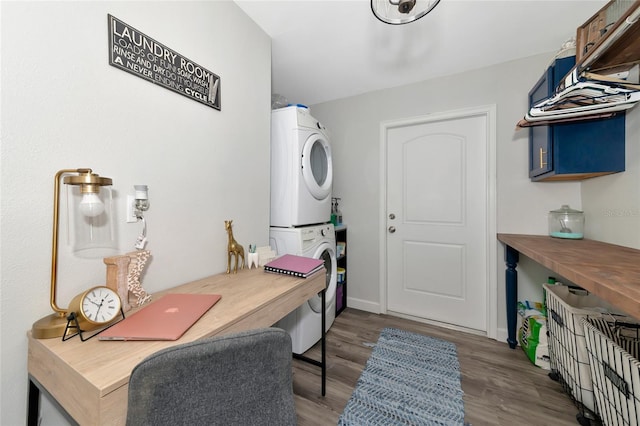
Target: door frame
[(488, 111)]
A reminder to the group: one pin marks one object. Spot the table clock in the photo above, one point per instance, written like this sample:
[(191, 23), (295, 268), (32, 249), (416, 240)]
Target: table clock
[(96, 307)]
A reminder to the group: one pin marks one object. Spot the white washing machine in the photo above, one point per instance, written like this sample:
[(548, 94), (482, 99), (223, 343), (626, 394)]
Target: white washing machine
[(301, 169), (318, 242)]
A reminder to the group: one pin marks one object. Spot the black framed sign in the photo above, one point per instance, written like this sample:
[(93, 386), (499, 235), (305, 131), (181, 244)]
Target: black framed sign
[(136, 53)]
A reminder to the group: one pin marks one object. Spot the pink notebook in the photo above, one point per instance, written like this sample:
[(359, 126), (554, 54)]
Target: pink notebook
[(167, 318), (290, 264)]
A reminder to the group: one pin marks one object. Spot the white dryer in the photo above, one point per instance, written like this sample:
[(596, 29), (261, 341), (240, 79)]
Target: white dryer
[(301, 169), (318, 242)]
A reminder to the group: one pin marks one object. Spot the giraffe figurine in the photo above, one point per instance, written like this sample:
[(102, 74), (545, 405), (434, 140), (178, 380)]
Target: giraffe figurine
[(233, 248)]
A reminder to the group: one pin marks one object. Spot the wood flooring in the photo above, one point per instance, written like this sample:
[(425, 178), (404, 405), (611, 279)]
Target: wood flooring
[(501, 386)]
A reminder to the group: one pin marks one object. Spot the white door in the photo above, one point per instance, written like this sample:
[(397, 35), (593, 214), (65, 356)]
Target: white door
[(437, 188)]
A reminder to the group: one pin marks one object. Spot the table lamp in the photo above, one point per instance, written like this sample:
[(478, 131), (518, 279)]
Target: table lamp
[(92, 230)]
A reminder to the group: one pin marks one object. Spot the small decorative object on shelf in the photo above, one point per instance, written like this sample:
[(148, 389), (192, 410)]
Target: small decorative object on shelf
[(117, 272), (93, 309), (124, 274), (253, 258), (566, 222), (233, 248), (336, 213), (265, 255), (136, 266)]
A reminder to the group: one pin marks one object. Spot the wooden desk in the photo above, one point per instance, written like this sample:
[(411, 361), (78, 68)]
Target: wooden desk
[(90, 379), (609, 271)]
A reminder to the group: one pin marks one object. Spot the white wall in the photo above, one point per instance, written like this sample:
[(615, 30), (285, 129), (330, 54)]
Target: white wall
[(522, 206), (64, 106), (612, 203)]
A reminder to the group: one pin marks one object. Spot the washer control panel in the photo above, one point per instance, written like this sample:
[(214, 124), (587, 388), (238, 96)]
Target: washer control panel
[(314, 234)]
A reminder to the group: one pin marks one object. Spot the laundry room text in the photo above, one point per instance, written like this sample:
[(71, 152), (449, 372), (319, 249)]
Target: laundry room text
[(132, 51)]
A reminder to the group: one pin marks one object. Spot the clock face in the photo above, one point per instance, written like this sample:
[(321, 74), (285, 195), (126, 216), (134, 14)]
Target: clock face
[(100, 305)]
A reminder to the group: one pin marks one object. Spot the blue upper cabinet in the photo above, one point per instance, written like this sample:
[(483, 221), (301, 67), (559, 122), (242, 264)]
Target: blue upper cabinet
[(573, 151)]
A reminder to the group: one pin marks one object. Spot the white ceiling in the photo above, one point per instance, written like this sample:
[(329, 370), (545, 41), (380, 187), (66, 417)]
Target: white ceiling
[(331, 49)]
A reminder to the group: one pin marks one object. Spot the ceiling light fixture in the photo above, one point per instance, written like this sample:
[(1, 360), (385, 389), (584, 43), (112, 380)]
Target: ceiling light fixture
[(397, 12)]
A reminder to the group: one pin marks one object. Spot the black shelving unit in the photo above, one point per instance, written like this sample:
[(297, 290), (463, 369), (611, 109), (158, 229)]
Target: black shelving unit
[(341, 262)]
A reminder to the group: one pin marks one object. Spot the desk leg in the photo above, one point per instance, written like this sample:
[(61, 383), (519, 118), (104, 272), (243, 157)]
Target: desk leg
[(323, 362), (322, 338), (33, 404), (35, 392), (511, 277)]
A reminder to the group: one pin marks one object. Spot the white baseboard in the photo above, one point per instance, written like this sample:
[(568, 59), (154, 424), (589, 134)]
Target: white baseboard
[(373, 307), (502, 335), (363, 305)]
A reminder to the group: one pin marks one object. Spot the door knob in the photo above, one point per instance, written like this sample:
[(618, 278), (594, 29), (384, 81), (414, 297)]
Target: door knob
[(392, 216), (392, 229)]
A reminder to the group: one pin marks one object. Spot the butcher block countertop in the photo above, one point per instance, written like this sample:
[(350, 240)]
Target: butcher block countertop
[(609, 271)]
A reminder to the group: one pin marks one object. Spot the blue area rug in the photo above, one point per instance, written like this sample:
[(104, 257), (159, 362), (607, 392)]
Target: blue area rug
[(409, 379)]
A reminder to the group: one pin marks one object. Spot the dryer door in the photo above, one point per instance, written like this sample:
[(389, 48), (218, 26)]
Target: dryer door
[(328, 254), (317, 167)]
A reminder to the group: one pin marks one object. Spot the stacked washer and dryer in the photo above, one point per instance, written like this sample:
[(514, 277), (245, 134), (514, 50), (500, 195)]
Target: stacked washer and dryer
[(301, 181)]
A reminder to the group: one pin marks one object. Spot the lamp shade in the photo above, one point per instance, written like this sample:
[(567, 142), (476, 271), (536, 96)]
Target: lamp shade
[(90, 221)]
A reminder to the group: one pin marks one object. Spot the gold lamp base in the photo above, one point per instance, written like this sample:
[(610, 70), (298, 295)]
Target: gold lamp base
[(49, 327)]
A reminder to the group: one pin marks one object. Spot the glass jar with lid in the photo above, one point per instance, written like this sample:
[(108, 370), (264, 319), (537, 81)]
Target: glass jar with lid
[(566, 223)]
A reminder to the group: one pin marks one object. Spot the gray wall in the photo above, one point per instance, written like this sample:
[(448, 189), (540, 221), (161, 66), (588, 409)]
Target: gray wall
[(612, 203), (522, 206), (64, 106)]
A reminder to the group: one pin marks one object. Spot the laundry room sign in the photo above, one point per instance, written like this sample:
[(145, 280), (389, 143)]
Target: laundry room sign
[(134, 52)]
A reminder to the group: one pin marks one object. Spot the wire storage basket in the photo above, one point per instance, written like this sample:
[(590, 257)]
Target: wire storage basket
[(615, 371), (569, 359)]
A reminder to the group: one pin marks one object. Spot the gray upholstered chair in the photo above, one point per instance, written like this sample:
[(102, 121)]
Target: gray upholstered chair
[(238, 379)]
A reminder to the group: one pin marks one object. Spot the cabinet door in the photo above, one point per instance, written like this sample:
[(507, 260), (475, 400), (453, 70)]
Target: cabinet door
[(540, 137), (569, 151), (589, 149)]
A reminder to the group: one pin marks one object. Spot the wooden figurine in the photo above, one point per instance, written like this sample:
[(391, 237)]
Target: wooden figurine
[(117, 269), (233, 248), (124, 276)]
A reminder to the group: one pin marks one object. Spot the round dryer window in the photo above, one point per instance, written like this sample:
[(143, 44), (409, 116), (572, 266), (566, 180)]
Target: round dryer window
[(315, 303), (317, 168)]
